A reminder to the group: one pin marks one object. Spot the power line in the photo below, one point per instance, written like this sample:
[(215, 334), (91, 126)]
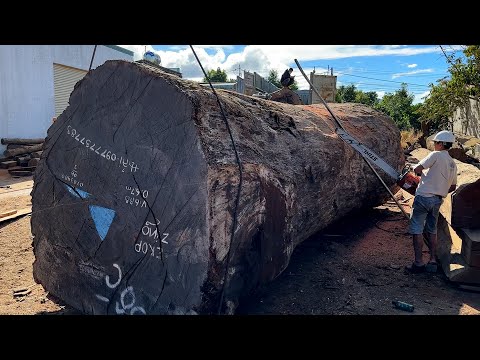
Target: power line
[(398, 82), (385, 71)]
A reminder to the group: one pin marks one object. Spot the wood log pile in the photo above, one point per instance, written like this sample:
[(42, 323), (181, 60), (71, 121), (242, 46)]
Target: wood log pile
[(21, 156), (135, 194)]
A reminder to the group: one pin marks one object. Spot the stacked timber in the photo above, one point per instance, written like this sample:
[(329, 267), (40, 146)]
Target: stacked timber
[(459, 225), (135, 196), (21, 155)]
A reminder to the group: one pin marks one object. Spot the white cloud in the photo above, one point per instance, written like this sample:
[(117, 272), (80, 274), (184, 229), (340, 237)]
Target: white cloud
[(420, 71), (262, 58), (184, 59), (380, 94), (419, 97), (412, 65), (286, 54)]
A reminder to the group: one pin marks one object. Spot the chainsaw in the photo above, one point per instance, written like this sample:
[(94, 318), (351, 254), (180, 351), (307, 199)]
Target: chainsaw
[(406, 179)]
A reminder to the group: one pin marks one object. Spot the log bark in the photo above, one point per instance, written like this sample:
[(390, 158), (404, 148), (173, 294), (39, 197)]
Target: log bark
[(135, 192), (19, 141), (23, 150), (461, 207)]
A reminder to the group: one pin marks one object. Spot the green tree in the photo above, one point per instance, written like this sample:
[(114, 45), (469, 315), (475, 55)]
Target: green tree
[(346, 93), (455, 91), (399, 107), (369, 98), (274, 78), (351, 94), (216, 76)]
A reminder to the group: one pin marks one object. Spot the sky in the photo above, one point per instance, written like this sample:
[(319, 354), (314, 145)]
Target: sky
[(379, 68)]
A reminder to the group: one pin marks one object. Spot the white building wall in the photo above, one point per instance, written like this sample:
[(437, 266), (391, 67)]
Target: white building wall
[(27, 103), (466, 119)]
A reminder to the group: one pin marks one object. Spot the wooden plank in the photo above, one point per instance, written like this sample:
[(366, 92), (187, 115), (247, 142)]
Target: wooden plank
[(14, 146), (6, 141), (8, 213), (8, 164), (21, 173), (18, 213), (471, 246), (22, 168), (23, 150)]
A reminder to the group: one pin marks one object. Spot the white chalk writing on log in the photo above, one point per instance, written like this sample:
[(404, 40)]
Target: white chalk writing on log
[(74, 171), (72, 180), (133, 200), (150, 230), (127, 297), (107, 278), (107, 154), (136, 191)]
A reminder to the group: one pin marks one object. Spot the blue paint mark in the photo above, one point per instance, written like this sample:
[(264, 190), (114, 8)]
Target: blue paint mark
[(83, 194), (102, 217)]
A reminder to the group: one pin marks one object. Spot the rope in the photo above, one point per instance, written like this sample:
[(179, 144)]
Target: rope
[(237, 200), (93, 55)]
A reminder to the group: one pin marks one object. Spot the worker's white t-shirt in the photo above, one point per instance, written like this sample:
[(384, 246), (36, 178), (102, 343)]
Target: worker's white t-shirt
[(440, 174)]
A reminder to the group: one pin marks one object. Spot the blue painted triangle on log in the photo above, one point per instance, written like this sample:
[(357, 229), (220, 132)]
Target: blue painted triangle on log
[(76, 192), (102, 217)]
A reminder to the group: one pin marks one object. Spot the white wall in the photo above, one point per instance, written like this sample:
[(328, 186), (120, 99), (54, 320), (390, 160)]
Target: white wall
[(26, 83), (466, 120)]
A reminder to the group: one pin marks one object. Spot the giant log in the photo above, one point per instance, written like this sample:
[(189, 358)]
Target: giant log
[(135, 193)]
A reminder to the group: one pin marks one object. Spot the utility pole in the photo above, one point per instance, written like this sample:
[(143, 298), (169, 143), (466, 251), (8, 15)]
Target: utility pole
[(239, 70)]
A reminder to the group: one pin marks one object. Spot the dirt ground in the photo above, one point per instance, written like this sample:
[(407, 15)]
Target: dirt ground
[(355, 266)]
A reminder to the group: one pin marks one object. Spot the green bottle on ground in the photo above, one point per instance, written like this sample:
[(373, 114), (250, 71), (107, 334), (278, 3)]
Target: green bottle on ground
[(403, 305)]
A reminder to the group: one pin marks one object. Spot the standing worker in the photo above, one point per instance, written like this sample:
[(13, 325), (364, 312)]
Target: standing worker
[(435, 184), (287, 79)]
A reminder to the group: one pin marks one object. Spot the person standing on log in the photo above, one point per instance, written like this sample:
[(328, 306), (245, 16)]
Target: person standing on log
[(435, 184), (287, 78)]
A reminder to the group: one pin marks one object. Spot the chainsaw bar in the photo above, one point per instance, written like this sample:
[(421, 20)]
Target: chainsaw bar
[(367, 153)]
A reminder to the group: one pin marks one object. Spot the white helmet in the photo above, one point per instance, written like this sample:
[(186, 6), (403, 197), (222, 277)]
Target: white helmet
[(444, 136)]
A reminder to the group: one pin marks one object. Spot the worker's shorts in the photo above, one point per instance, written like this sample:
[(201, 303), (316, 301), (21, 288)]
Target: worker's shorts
[(424, 214)]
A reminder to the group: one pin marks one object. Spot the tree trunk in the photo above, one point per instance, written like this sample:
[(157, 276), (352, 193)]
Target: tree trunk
[(135, 192)]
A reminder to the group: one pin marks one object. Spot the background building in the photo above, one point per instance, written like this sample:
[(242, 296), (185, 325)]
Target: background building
[(36, 82), (326, 85)]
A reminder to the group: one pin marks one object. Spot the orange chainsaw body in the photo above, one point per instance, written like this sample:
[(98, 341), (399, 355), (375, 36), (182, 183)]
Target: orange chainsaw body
[(409, 182)]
